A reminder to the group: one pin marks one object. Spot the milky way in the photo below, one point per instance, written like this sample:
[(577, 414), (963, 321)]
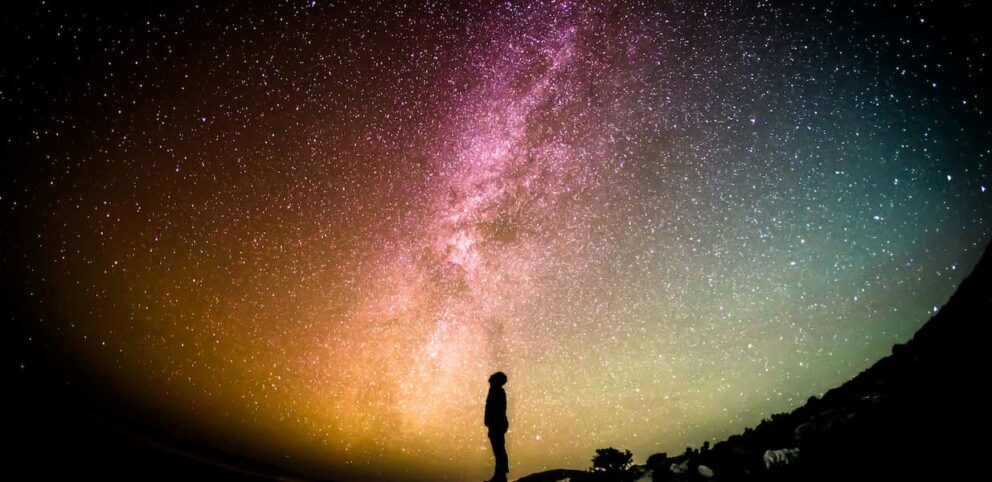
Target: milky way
[(311, 231)]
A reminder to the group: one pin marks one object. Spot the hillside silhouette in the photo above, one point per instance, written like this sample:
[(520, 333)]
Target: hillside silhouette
[(916, 414)]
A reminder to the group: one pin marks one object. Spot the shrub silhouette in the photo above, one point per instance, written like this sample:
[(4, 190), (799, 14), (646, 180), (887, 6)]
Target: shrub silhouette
[(611, 460)]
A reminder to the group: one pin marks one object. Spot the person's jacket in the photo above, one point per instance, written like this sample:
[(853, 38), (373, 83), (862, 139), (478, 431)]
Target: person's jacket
[(496, 409)]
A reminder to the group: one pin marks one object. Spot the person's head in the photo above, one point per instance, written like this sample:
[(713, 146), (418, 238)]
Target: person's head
[(497, 379)]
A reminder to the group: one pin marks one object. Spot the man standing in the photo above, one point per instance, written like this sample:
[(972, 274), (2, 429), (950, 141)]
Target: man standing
[(498, 424)]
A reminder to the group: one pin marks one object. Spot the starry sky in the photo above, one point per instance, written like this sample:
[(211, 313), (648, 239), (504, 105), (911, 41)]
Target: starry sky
[(310, 230)]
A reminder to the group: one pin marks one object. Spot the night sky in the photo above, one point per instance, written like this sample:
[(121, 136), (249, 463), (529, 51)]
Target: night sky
[(312, 230)]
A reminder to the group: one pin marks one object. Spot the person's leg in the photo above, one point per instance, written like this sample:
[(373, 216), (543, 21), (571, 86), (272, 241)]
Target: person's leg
[(499, 453), (502, 464), (506, 459)]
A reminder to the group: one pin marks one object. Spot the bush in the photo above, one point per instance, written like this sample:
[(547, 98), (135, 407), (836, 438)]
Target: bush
[(612, 460), (657, 461)]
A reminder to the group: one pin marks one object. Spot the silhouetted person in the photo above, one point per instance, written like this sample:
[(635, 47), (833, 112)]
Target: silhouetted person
[(498, 424)]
